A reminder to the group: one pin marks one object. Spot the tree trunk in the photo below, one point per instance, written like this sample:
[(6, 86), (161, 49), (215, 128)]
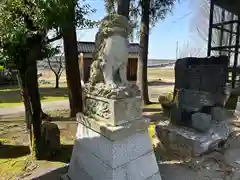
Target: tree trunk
[(25, 98), (123, 8), (33, 91), (142, 62), (30, 93), (57, 81), (71, 60)]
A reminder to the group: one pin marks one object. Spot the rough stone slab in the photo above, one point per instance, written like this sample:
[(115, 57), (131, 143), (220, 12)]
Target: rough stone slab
[(141, 168), (219, 114), (201, 121), (113, 111), (113, 153), (187, 142), (113, 132)]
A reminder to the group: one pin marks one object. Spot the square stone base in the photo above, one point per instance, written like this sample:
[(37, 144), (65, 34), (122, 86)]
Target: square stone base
[(187, 142), (99, 157)]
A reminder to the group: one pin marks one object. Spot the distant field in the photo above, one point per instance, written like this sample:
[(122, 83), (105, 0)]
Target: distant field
[(10, 95), (161, 73), (166, 74)]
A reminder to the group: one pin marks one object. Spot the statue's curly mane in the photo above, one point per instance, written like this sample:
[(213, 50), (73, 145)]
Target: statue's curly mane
[(111, 25)]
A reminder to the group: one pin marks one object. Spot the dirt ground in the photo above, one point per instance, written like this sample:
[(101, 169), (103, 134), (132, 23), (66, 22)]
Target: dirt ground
[(16, 163)]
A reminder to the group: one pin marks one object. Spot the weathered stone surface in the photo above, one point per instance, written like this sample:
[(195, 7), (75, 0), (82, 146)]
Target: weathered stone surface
[(111, 110), (195, 100), (102, 90), (175, 115), (51, 137), (202, 74), (114, 153), (187, 142), (111, 52), (201, 121), (141, 168), (200, 84), (219, 114), (97, 157), (113, 132)]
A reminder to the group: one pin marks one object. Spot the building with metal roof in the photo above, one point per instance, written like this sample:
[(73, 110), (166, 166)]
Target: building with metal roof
[(86, 49)]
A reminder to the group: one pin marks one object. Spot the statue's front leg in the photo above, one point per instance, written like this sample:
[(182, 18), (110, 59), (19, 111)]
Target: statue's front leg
[(123, 74), (108, 77)]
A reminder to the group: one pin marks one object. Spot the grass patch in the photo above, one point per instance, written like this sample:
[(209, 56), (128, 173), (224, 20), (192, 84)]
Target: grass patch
[(15, 159), (11, 96), (14, 168)]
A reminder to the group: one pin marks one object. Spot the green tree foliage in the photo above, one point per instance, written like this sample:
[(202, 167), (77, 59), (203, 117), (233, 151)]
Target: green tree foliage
[(144, 14), (23, 40)]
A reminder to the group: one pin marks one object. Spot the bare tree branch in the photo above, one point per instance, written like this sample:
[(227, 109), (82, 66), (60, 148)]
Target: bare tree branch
[(56, 65)]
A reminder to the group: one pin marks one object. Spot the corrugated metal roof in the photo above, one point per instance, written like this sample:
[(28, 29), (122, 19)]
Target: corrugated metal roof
[(88, 47)]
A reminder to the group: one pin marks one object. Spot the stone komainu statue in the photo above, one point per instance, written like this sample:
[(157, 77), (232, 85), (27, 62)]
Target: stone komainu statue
[(111, 52)]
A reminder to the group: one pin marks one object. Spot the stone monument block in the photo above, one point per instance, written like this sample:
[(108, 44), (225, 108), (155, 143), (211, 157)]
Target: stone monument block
[(200, 84), (113, 111), (51, 137), (203, 74)]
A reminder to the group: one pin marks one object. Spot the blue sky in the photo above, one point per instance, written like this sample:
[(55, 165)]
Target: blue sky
[(163, 37)]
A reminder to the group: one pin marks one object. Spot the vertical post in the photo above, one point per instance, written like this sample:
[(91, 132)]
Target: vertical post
[(234, 74), (230, 41), (210, 28), (81, 68), (177, 50), (221, 31), (230, 35)]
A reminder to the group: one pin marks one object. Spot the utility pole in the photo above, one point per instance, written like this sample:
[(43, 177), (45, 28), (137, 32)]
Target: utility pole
[(177, 50)]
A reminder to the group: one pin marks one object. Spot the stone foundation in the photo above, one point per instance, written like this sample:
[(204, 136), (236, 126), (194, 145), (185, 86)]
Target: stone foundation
[(105, 152), (188, 143)]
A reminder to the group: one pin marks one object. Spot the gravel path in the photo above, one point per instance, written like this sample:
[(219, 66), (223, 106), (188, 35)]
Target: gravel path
[(154, 92), (46, 106)]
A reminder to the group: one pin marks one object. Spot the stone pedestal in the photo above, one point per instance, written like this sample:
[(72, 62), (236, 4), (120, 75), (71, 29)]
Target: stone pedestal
[(104, 151), (187, 142)]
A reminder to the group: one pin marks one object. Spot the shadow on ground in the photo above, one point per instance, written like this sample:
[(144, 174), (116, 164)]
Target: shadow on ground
[(11, 94), (53, 175), (63, 156), (155, 117), (160, 83), (152, 109), (13, 151), (62, 119)]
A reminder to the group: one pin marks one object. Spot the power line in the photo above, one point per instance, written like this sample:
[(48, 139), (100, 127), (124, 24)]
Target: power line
[(184, 16)]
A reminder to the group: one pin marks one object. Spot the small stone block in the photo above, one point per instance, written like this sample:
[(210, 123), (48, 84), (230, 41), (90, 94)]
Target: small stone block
[(201, 121), (219, 114), (113, 111), (51, 137)]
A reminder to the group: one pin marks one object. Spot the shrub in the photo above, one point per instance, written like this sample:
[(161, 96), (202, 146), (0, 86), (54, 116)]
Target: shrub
[(1, 68)]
